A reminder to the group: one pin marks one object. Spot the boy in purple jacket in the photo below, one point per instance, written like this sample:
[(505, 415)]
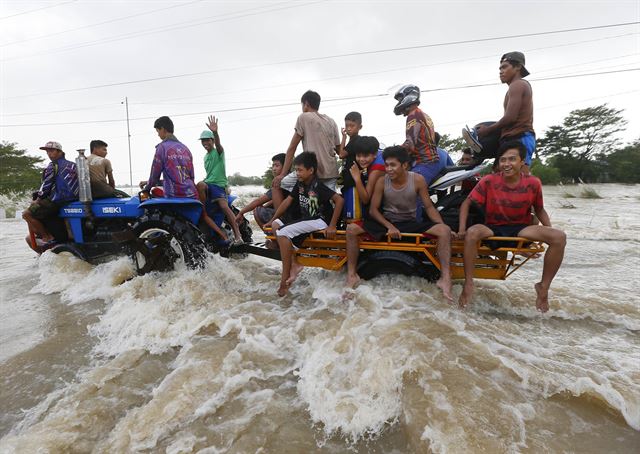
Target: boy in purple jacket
[(173, 160)]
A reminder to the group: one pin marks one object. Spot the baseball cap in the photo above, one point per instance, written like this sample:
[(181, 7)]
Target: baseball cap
[(206, 134), (516, 57), (52, 144)]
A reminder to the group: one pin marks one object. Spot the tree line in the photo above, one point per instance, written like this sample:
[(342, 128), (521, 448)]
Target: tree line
[(584, 147)]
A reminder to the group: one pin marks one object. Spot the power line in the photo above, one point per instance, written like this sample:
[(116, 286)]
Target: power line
[(345, 98), (326, 57), (164, 29), (37, 9), (97, 24), (347, 76)]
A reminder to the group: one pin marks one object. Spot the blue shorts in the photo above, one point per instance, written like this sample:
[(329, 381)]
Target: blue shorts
[(430, 170), (216, 192), (528, 139)]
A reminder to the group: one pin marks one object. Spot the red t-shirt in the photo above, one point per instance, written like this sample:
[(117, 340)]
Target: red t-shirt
[(507, 205)]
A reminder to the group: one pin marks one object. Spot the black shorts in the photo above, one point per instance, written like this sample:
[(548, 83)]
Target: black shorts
[(507, 230), (379, 231), (45, 209)]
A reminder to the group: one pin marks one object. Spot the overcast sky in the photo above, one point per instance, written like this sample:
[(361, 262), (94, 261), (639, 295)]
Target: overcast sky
[(67, 66)]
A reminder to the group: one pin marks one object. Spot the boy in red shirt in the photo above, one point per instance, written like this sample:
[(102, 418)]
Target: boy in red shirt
[(507, 198)]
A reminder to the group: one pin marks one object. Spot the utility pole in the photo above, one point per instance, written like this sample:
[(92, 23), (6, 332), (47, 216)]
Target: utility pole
[(126, 103)]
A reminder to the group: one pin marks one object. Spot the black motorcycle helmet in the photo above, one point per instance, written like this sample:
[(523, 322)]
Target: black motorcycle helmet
[(407, 95)]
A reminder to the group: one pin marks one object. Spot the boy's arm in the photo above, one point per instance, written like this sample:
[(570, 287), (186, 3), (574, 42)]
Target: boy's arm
[(366, 192), (156, 170), (433, 214), (254, 204), (341, 151), (288, 160), (109, 171), (374, 209), (281, 210), (213, 127), (543, 216), (338, 202), (48, 180)]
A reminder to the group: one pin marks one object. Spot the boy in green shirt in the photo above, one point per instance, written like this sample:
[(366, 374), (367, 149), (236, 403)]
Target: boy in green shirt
[(215, 183)]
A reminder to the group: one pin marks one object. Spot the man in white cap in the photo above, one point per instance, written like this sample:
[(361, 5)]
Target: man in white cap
[(59, 187)]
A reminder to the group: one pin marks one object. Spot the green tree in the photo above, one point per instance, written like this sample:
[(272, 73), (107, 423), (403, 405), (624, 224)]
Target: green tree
[(547, 174), (624, 165), (19, 172), (267, 177), (583, 136), (240, 180), (452, 144)]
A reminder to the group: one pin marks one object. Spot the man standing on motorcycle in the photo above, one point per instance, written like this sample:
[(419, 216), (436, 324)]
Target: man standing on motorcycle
[(517, 122)]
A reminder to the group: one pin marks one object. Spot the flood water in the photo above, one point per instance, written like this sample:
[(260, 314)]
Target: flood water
[(93, 359)]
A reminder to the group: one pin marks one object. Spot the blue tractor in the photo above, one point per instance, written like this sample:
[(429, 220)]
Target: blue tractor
[(159, 233)]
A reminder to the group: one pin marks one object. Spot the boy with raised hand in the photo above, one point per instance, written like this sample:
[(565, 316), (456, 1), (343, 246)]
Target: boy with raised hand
[(393, 210), (364, 172), (214, 186), (262, 206), (309, 207), (507, 198)]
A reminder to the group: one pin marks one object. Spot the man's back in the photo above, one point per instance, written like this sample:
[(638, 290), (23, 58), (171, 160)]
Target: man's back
[(177, 167), (421, 140), (99, 167), (319, 134)]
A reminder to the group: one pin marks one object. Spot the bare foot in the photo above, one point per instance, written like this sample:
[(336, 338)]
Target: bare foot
[(465, 296), (283, 289), (542, 299), (444, 284), (353, 281), (295, 270)]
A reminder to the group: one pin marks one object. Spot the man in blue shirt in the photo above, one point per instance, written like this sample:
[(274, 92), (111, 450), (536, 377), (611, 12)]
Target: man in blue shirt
[(59, 187)]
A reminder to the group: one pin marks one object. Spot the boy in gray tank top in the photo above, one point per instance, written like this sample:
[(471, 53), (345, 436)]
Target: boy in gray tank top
[(393, 210)]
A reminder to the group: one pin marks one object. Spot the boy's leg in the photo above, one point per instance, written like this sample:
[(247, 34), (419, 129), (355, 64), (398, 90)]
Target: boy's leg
[(231, 218), (287, 183), (286, 254), (557, 240), (296, 232), (36, 225), (353, 252), (474, 234), (443, 232), (202, 191)]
